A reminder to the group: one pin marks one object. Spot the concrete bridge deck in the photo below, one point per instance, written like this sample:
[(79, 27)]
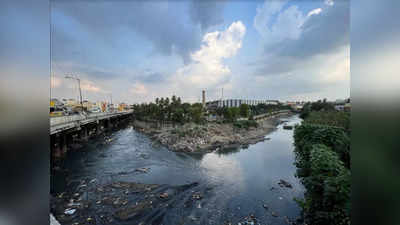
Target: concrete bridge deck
[(62, 123), (66, 130)]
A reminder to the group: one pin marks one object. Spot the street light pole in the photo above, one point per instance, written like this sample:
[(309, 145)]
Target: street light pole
[(80, 91), (79, 84)]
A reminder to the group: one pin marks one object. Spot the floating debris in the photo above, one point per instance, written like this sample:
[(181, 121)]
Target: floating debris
[(143, 170), (69, 211), (287, 127), (286, 184), (61, 195), (196, 196), (164, 195), (249, 220)]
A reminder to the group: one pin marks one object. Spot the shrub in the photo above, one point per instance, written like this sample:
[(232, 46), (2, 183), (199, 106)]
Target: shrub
[(333, 137), (328, 187), (323, 163), (329, 118), (246, 124)]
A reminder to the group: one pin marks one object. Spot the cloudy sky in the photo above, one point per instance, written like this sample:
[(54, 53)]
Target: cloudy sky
[(136, 51)]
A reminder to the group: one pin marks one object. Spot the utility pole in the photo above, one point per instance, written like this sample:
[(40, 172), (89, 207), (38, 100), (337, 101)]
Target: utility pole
[(79, 85)]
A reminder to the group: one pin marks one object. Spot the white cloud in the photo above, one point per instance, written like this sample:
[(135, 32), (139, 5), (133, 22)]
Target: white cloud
[(55, 82), (138, 89), (329, 2), (265, 13), (207, 69), (314, 12), (276, 25), (87, 85)]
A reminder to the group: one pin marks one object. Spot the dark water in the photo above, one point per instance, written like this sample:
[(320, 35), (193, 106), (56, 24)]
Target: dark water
[(239, 180)]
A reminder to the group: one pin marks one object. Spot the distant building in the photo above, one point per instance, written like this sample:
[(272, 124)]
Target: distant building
[(238, 102), (54, 102), (87, 104), (71, 102)]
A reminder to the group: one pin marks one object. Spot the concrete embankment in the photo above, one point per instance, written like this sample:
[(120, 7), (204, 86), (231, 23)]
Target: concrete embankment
[(207, 137)]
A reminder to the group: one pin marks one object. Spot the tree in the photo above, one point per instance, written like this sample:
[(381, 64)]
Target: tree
[(196, 113), (244, 110), (228, 114), (305, 111)]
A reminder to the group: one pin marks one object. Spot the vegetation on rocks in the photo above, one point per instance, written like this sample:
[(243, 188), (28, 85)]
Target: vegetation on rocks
[(264, 108), (184, 127), (246, 124)]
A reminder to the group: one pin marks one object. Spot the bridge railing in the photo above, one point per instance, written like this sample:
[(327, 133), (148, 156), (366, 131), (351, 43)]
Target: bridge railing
[(73, 118)]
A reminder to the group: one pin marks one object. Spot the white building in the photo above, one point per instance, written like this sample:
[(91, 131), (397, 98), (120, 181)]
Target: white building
[(238, 102)]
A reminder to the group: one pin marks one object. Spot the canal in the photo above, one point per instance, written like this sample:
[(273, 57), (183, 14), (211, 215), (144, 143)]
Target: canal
[(232, 185)]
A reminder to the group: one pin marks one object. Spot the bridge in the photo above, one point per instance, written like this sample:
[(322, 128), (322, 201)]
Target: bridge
[(66, 130), (62, 123)]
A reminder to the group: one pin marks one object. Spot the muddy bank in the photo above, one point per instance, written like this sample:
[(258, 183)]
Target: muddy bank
[(208, 137)]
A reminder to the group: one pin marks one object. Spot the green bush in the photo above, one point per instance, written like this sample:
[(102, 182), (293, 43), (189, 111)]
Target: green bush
[(329, 118), (245, 124), (333, 137), (323, 165), (328, 186)]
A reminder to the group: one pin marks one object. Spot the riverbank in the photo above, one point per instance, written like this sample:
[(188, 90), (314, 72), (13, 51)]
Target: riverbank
[(209, 137)]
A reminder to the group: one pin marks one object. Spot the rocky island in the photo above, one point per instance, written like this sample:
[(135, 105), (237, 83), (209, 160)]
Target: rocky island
[(202, 128), (203, 138)]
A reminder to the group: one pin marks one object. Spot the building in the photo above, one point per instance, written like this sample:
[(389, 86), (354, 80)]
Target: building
[(87, 104), (238, 102)]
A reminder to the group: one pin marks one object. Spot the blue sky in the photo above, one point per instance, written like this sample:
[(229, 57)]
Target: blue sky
[(287, 50)]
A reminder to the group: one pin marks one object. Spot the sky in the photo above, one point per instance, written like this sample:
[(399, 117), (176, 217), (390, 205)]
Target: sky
[(136, 51)]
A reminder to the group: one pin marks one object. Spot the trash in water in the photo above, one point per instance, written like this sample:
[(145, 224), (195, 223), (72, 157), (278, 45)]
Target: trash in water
[(69, 211), (286, 184), (196, 196), (164, 195), (143, 170)]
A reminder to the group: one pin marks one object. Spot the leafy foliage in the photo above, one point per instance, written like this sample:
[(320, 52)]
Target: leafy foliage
[(173, 111), (329, 118), (231, 113), (323, 162), (335, 138), (264, 108), (244, 110), (320, 105)]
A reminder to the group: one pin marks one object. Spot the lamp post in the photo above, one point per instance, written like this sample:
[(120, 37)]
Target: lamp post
[(79, 84)]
